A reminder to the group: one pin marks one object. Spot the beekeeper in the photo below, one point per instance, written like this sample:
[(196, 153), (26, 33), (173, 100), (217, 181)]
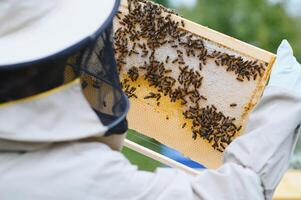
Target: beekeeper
[(54, 144)]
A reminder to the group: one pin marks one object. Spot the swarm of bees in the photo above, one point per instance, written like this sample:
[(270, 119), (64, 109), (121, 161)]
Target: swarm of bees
[(142, 31)]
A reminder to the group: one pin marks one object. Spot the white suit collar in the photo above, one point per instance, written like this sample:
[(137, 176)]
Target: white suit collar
[(60, 116)]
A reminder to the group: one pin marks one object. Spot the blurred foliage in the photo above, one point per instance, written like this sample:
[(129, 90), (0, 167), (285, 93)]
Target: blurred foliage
[(257, 22), (143, 162), (163, 2)]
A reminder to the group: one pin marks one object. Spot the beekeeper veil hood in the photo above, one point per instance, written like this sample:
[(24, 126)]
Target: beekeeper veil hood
[(48, 51)]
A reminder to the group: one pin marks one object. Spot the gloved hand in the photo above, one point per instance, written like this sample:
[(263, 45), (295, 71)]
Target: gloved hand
[(286, 71), (271, 134)]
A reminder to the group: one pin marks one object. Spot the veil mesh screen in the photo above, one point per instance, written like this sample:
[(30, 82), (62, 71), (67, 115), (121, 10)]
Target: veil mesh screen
[(97, 68)]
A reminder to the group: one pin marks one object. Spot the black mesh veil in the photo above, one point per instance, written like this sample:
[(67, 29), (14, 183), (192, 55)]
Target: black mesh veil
[(92, 59), (97, 68)]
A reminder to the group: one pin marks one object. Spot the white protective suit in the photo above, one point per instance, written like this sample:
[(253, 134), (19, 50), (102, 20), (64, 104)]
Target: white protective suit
[(36, 161)]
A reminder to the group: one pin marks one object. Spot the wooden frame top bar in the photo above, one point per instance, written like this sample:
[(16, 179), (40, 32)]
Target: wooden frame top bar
[(221, 39)]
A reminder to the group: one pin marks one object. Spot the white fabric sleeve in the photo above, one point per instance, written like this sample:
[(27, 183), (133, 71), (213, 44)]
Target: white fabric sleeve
[(230, 182), (92, 171), (272, 131), (270, 137)]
